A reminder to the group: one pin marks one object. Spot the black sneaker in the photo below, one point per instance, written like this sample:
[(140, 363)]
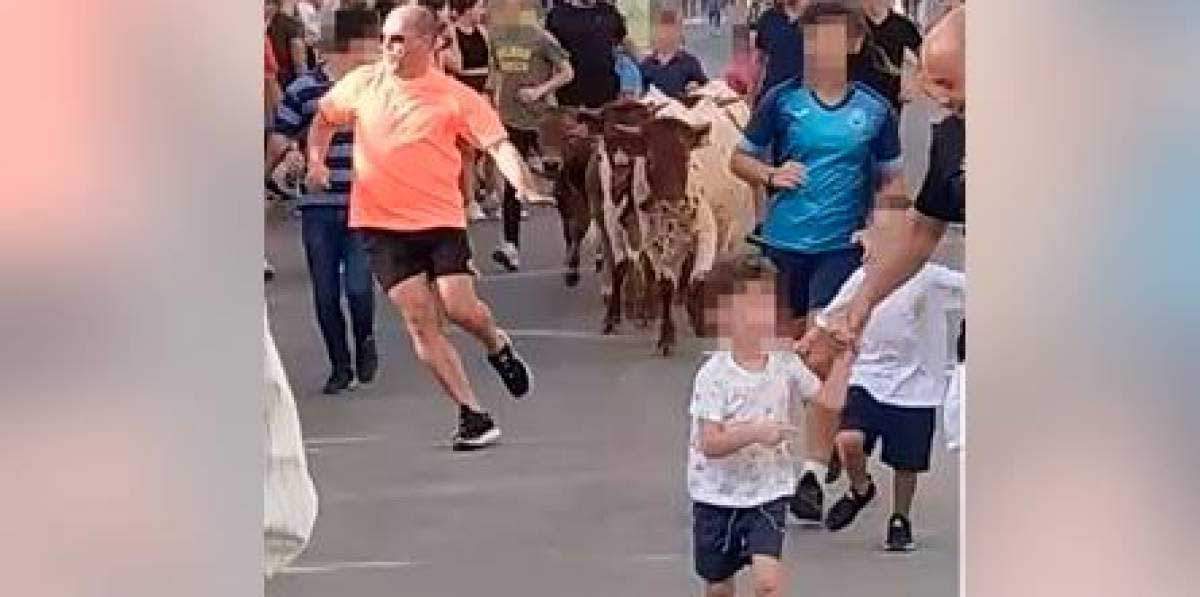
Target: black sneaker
[(366, 361), (475, 430), (842, 513), (806, 504), (899, 534), (341, 379), (512, 369)]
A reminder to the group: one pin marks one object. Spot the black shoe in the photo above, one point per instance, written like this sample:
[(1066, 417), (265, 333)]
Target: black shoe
[(512, 369), (366, 361), (475, 430), (842, 513), (342, 379), (835, 469), (806, 504), (899, 534)]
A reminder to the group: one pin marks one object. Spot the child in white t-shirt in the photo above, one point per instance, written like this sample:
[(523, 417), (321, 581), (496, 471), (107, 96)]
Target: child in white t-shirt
[(740, 470), (898, 379)]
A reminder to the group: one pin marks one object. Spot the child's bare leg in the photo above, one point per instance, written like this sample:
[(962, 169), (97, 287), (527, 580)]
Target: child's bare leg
[(768, 576), (721, 589), (904, 486), (850, 445)]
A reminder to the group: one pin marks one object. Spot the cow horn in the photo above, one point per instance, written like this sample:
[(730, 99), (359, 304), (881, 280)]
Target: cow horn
[(627, 129)]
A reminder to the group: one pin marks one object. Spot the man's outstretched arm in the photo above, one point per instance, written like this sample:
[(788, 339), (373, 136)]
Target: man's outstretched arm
[(512, 167)]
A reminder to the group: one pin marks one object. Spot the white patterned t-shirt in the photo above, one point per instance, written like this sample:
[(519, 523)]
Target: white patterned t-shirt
[(725, 392)]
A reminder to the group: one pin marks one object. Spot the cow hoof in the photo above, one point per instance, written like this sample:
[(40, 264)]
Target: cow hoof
[(610, 327), (644, 323), (664, 349), (571, 278)]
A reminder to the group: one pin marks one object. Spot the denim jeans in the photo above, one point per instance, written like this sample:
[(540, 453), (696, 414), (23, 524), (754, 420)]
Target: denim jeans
[(331, 247)]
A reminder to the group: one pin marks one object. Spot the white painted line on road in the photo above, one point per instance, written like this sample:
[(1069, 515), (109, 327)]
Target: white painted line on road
[(341, 440), (658, 557), (340, 566)]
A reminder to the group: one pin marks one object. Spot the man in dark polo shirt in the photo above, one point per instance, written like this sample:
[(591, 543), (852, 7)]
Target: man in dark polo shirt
[(780, 43), (669, 67)]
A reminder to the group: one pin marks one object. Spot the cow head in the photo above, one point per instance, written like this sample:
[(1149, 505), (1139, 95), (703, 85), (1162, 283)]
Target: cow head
[(669, 144)]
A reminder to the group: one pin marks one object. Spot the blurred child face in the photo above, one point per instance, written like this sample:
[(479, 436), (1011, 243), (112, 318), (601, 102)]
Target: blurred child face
[(826, 46), (751, 315), (357, 53), (506, 12), (667, 38)]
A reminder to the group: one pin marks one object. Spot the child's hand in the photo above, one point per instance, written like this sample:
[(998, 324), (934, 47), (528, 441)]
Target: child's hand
[(772, 433)]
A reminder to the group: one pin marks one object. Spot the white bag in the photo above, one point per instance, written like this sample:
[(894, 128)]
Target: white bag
[(952, 412), (290, 506)]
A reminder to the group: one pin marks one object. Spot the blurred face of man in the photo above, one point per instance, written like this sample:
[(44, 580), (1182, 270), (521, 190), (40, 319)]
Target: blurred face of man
[(270, 8), (407, 49), (826, 46), (357, 53)]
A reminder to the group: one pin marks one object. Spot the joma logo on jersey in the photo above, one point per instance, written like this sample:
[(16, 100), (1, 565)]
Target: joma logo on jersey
[(857, 119)]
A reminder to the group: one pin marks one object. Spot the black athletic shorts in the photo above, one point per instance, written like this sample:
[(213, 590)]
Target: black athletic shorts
[(724, 540), (907, 432), (398, 256)]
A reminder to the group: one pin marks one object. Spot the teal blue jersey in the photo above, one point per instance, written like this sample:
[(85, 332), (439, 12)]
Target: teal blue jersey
[(845, 149)]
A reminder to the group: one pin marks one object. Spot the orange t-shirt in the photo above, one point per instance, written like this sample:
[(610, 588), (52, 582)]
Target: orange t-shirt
[(406, 157)]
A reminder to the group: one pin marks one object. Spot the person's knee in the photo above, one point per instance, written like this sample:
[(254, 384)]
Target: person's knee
[(721, 589), (466, 310), (768, 585)]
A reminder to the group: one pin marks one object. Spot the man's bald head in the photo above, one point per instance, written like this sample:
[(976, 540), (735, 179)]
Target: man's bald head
[(944, 60), (411, 19), (409, 32)]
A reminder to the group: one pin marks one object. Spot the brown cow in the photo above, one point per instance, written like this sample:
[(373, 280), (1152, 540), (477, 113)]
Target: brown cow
[(671, 217), (610, 188), (636, 182)]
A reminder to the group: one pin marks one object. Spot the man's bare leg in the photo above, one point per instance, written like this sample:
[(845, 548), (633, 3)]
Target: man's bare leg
[(464, 308), (419, 306)]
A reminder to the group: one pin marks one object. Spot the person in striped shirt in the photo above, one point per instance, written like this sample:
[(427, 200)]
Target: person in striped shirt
[(329, 244)]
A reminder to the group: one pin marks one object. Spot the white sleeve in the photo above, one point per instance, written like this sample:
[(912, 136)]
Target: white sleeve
[(800, 376), (845, 293), (951, 286)]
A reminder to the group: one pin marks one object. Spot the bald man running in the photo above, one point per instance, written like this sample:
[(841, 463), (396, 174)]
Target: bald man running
[(407, 117)]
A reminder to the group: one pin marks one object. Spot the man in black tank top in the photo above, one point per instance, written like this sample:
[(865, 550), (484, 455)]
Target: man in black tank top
[(468, 58)]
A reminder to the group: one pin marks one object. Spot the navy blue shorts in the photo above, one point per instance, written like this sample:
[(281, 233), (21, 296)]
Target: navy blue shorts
[(724, 539), (809, 281), (907, 431)]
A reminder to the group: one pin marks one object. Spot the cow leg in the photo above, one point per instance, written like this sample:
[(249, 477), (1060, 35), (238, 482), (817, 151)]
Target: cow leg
[(648, 296), (572, 276), (666, 336), (613, 317)]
